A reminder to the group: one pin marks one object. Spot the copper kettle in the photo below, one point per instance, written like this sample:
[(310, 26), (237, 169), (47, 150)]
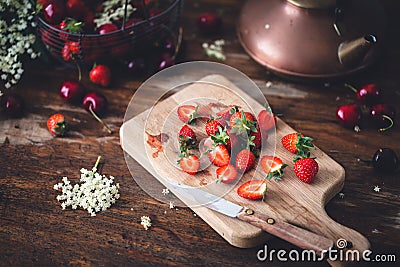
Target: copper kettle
[(312, 39)]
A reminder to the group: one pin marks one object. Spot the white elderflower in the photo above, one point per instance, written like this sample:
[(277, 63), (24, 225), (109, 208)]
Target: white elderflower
[(16, 39), (146, 222), (113, 10), (171, 205), (215, 50), (165, 191), (95, 193)]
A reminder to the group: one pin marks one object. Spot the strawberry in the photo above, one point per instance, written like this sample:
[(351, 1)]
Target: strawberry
[(296, 143), (306, 169), (190, 164), (273, 167), (253, 189), (70, 50), (69, 25), (57, 125), (187, 137), (245, 160), (227, 112), (219, 156), (226, 174), (212, 127), (187, 113), (100, 74), (266, 120), (242, 123), (255, 138)]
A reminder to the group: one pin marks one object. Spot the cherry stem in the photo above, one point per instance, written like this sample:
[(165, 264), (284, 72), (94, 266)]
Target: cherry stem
[(99, 120), (178, 44), (97, 162), (388, 127), (79, 70), (352, 88)]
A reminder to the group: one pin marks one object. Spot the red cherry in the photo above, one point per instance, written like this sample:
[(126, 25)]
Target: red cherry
[(101, 74), (209, 23), (368, 94), (166, 61), (54, 11), (72, 92), (382, 116), (136, 66), (349, 115), (76, 9), (12, 104), (96, 104), (107, 28)]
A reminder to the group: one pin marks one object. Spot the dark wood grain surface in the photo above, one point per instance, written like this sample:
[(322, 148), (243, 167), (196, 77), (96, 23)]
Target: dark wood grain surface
[(35, 231)]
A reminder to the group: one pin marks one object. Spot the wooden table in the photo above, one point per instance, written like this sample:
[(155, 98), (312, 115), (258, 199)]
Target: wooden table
[(35, 231)]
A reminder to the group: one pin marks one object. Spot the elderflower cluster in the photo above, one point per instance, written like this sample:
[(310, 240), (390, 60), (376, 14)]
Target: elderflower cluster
[(146, 222), (16, 38), (95, 192), (113, 10), (215, 50)]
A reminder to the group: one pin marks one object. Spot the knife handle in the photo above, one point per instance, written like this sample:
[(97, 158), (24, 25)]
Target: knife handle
[(286, 231)]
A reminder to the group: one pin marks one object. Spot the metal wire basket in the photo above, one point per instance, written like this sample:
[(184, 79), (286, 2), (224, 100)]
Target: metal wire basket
[(83, 48)]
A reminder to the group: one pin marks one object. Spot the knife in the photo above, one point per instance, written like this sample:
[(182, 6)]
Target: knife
[(286, 231)]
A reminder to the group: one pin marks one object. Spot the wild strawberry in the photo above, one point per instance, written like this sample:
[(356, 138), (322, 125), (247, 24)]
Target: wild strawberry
[(187, 113), (187, 137), (226, 174), (297, 143), (273, 167), (57, 125), (253, 189), (212, 127), (266, 120), (242, 123), (219, 156), (245, 160), (100, 74), (306, 169), (190, 164), (227, 112)]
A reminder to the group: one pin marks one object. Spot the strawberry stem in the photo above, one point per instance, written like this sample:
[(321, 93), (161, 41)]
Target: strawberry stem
[(99, 120), (352, 88), (388, 127)]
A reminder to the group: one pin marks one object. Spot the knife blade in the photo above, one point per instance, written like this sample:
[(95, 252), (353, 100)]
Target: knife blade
[(298, 236)]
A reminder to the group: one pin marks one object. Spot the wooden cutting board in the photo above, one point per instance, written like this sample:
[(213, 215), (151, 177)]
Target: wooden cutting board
[(289, 199)]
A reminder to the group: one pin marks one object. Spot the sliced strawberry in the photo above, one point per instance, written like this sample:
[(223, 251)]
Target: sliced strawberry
[(266, 120), (226, 174), (245, 160), (187, 113), (227, 112), (306, 169), (253, 189), (212, 127), (219, 156), (297, 143), (273, 167), (190, 164)]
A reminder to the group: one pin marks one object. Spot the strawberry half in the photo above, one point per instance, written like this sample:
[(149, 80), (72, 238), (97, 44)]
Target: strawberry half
[(297, 143), (266, 120), (226, 174), (245, 160), (212, 127), (253, 189), (187, 113), (227, 112), (219, 156), (306, 169), (273, 167), (190, 164), (57, 125)]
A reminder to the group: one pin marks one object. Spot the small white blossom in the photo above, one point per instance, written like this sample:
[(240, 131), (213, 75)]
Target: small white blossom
[(146, 222), (171, 205), (113, 10), (95, 193), (165, 191), (215, 50)]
